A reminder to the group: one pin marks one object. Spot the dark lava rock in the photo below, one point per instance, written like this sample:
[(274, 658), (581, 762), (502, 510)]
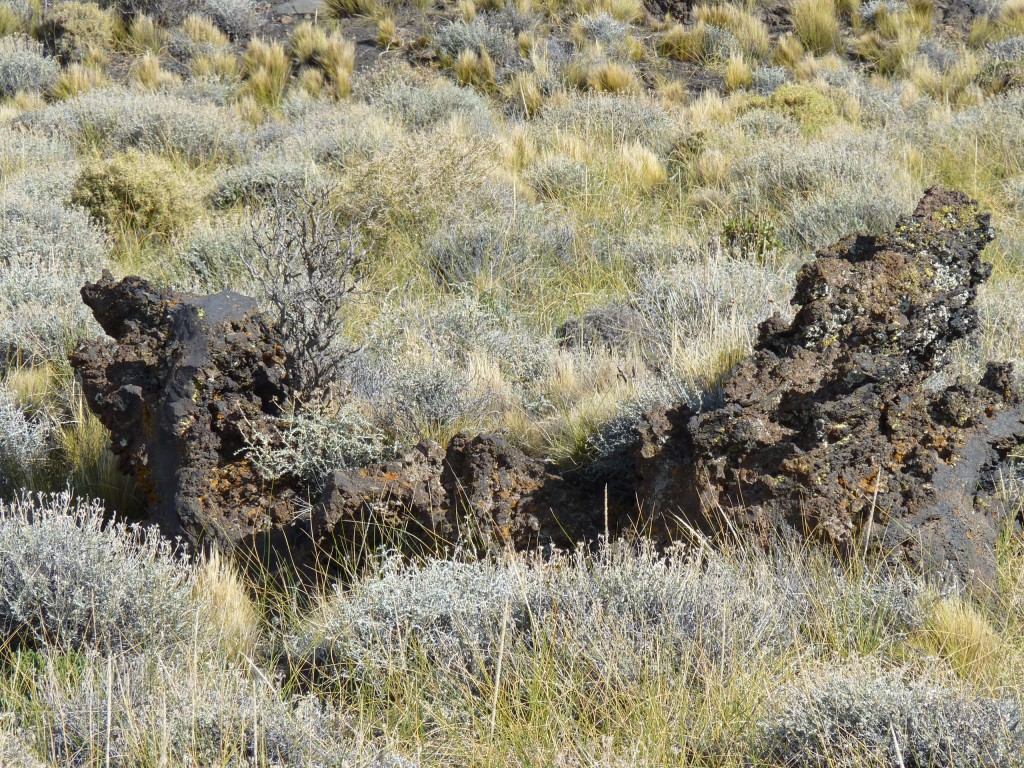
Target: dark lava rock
[(829, 431), (185, 379)]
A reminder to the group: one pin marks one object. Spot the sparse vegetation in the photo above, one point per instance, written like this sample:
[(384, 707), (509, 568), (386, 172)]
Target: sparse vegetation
[(557, 215)]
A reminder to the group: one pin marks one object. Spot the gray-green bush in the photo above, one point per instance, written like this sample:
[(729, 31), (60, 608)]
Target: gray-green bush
[(71, 579), (23, 67)]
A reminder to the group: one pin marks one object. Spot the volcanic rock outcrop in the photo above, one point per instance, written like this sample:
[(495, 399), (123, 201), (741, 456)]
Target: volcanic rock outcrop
[(830, 429), (185, 380), (178, 388)]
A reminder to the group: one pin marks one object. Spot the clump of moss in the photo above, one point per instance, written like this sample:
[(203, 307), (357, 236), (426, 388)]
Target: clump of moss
[(137, 192), (72, 31)]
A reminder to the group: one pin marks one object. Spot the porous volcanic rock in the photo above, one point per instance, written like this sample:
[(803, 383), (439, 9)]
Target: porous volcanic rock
[(830, 431), (178, 386), (184, 379)]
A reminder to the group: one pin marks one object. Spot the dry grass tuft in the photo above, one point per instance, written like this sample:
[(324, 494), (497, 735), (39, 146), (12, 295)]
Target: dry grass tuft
[(642, 167), (524, 92), (266, 69), (343, 9), (476, 69), (737, 74), (685, 43), (201, 30), (612, 77), (150, 76), (816, 24), (750, 31), (222, 66), (959, 633), (227, 611), (78, 79)]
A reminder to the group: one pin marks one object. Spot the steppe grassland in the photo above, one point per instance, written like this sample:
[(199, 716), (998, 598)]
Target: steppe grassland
[(123, 653), (547, 161)]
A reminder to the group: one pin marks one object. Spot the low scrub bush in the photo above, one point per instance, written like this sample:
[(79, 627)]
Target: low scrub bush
[(313, 443), (72, 580), (257, 183), (482, 34), (118, 119), (558, 176), (616, 118), (508, 242), (749, 31), (23, 67), (207, 258), (705, 305), (72, 30), (620, 617), (307, 262), (47, 250), (144, 193), (15, 17), (854, 717), (190, 713), (419, 107), (24, 443), (235, 18)]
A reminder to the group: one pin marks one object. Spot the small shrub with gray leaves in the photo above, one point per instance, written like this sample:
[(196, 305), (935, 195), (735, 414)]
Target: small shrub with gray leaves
[(23, 67), (24, 442), (422, 106), (71, 579), (855, 717), (116, 118), (499, 40), (311, 444), (235, 18), (201, 715), (255, 183), (619, 118), (621, 613), (47, 250)]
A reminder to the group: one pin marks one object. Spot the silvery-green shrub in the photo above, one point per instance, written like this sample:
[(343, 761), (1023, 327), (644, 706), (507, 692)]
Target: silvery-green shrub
[(854, 717), (256, 183), (422, 106), (213, 714), (602, 27), (235, 18), (23, 67), (485, 32), (47, 251), (312, 443), (618, 118), (69, 578), (24, 442), (117, 118), (621, 614)]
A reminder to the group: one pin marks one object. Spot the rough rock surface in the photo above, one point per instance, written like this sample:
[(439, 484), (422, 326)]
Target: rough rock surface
[(830, 430), (183, 379), (186, 378)]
